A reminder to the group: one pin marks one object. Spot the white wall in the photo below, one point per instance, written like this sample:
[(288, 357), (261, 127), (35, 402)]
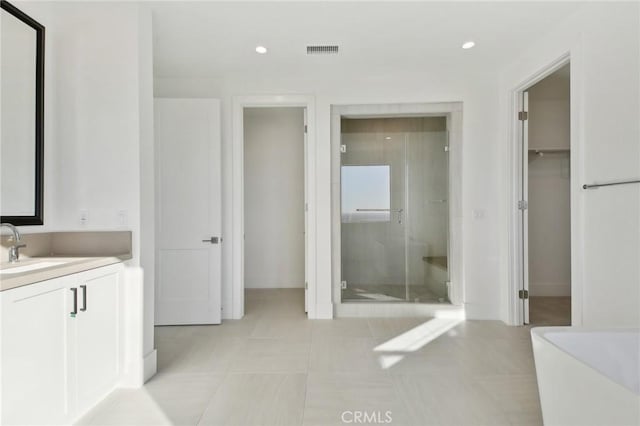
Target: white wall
[(604, 43), (274, 197), (478, 91), (147, 181), (98, 100)]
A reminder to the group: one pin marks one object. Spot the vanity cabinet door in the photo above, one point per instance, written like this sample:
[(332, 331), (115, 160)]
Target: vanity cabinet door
[(35, 324), (97, 342)]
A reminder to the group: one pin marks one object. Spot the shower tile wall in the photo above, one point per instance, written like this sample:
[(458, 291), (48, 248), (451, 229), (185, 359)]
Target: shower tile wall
[(411, 249)]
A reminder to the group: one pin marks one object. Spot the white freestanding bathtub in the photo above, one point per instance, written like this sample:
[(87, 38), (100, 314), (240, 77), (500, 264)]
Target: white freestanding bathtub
[(588, 376)]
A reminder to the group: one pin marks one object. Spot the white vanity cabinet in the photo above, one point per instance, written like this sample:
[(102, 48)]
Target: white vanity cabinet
[(94, 340), (61, 346), (35, 327)]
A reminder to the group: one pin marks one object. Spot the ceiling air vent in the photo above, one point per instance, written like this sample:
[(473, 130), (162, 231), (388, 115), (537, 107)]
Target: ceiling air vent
[(322, 49)]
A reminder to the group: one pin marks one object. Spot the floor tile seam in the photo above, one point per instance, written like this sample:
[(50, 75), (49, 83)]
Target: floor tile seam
[(213, 396), (306, 381)]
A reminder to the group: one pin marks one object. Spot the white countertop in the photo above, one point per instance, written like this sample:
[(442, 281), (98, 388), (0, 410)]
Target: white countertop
[(61, 266)]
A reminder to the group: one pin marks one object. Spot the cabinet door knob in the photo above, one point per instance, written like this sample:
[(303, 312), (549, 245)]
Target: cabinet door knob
[(84, 298)]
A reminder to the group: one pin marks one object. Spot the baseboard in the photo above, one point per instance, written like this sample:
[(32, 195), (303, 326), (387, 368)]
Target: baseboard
[(324, 311), (277, 286), (150, 365), (133, 376), (477, 311), (550, 289)]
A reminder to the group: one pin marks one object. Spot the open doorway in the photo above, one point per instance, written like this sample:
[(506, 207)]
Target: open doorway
[(274, 209), (545, 202)]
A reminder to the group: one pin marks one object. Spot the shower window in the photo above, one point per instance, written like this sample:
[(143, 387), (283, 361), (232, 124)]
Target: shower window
[(366, 193), (394, 210)]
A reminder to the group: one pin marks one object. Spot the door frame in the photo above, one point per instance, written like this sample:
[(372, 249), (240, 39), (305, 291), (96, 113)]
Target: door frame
[(237, 240), (453, 111), (517, 239)]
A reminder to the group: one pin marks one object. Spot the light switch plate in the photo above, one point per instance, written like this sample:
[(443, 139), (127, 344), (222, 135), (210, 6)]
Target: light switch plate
[(478, 214), (122, 218)]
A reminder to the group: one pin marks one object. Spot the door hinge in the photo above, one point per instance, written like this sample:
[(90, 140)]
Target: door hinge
[(343, 148), (523, 294), (305, 128), (523, 115), (306, 207), (306, 285), (523, 205), (343, 285)]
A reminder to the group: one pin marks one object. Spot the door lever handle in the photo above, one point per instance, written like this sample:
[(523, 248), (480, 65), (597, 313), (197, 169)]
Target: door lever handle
[(213, 240)]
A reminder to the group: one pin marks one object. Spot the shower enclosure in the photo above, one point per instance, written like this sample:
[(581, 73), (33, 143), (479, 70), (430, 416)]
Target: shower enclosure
[(394, 210)]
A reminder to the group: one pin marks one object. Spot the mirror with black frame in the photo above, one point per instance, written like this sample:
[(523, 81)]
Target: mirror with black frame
[(21, 117)]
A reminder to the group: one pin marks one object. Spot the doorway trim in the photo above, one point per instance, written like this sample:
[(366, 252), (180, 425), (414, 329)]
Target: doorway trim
[(516, 237), (237, 240), (453, 111)]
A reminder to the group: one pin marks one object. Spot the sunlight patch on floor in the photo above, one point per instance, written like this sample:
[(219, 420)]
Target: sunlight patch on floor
[(413, 340)]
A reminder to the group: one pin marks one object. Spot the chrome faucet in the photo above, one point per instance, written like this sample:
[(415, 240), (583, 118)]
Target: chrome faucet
[(14, 254)]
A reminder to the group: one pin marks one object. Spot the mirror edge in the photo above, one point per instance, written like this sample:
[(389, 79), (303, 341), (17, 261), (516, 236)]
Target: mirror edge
[(38, 216)]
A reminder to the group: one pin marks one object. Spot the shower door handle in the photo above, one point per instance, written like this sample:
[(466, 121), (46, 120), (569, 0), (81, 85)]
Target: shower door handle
[(379, 210)]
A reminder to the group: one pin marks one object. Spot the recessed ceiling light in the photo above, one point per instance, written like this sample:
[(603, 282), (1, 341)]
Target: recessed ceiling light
[(468, 45), (388, 138), (261, 49)]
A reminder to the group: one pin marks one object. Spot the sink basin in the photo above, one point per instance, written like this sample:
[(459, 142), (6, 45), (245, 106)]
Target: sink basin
[(30, 267)]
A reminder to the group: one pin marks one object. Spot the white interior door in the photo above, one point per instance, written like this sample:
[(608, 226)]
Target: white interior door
[(524, 207), (188, 220)]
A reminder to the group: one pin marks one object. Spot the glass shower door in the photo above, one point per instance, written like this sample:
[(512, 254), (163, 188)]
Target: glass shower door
[(427, 219), (395, 210), (373, 217)]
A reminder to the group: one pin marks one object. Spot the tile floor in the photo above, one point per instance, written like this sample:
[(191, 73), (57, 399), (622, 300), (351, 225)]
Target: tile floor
[(275, 367), (545, 311)]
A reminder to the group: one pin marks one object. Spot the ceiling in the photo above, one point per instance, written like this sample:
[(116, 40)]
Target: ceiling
[(214, 39)]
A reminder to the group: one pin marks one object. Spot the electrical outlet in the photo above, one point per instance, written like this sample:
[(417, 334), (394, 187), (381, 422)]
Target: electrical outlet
[(84, 217), (344, 285)]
